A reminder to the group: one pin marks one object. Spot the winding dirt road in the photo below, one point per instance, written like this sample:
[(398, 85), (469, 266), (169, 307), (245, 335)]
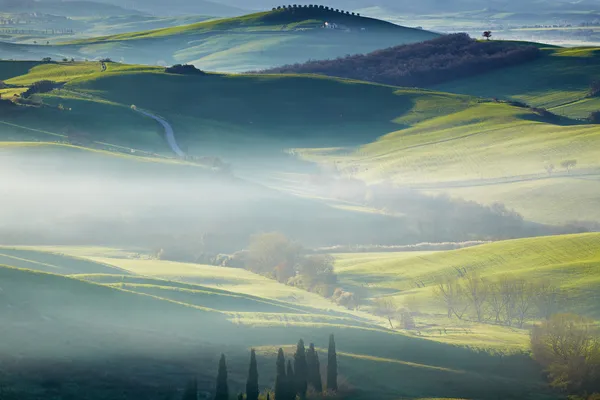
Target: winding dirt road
[(170, 135)]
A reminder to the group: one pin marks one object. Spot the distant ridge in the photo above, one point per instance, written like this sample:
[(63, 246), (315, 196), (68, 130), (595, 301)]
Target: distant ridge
[(237, 44), (179, 7)]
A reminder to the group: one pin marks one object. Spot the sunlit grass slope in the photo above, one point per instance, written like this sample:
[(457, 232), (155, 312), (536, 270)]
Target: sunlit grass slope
[(487, 153), (572, 262), (560, 82), (249, 42), (157, 318)]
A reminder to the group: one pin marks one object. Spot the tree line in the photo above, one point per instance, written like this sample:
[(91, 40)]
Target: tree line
[(313, 6), (428, 63), (505, 300), (293, 380)]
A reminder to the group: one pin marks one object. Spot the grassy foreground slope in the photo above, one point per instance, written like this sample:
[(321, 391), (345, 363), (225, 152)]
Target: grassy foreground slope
[(164, 330), (250, 42), (559, 81)]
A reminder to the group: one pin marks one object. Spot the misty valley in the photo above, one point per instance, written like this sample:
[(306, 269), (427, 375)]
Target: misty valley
[(253, 200)]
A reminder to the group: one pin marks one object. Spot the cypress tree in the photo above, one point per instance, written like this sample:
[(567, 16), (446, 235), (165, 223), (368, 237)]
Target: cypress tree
[(280, 379), (222, 390), (301, 370), (291, 382), (318, 381), (332, 366), (314, 369), (191, 390), (252, 382)]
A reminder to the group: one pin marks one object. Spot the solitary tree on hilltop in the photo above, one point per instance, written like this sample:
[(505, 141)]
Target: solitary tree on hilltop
[(222, 390), (252, 383), (332, 365), (487, 35)]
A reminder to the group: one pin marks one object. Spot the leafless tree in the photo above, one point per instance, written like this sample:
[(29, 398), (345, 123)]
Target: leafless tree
[(547, 299), (451, 294), (476, 291), (568, 165), (386, 307), (495, 301), (524, 296)]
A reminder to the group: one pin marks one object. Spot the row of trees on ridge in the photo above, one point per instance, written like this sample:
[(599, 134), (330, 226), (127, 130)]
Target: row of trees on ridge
[(313, 6)]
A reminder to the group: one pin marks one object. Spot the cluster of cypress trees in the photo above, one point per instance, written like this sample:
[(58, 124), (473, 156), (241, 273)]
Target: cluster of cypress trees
[(292, 380)]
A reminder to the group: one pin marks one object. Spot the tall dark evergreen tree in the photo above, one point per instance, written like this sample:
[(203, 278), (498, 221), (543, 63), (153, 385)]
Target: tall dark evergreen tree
[(191, 390), (318, 381), (222, 390), (291, 382), (280, 379), (252, 382), (332, 365), (314, 369), (300, 370)]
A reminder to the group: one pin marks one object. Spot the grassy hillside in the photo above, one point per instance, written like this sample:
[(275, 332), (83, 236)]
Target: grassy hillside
[(571, 262), (251, 42), (490, 152), (560, 82), (437, 142), (190, 319), (229, 109)]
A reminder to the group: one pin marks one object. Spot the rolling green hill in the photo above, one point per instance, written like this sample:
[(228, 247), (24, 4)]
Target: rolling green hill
[(408, 279), (76, 315), (250, 42), (560, 82), (432, 141), (490, 152)]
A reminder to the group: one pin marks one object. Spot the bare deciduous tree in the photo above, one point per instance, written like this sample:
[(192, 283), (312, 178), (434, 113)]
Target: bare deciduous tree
[(568, 164), (547, 299), (524, 296), (450, 293), (476, 290), (495, 300)]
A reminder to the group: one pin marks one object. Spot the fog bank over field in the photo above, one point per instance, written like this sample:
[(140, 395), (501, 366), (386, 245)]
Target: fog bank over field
[(116, 201)]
